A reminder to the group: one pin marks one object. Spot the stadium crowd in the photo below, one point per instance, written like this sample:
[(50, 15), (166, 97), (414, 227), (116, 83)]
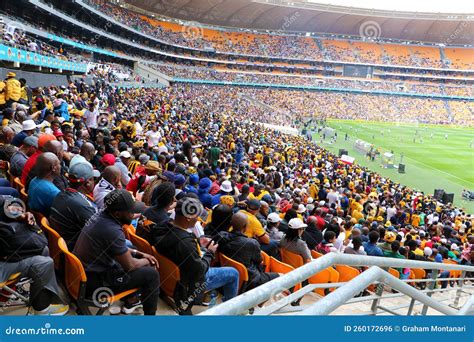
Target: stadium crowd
[(192, 35), (296, 79), (191, 170)]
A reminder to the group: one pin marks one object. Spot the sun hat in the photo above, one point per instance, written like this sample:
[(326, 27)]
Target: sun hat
[(226, 186), (390, 237), (28, 125), (301, 209)]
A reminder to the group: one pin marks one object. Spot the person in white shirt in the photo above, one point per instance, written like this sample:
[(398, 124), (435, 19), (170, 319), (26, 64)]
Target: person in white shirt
[(391, 212), (91, 115), (333, 198), (153, 136)]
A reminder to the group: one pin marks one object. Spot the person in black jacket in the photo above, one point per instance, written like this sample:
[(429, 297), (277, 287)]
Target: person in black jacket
[(23, 249), (181, 246), (157, 215), (238, 246), (312, 235)]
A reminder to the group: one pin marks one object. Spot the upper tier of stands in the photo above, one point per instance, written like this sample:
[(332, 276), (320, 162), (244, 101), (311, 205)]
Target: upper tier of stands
[(290, 46)]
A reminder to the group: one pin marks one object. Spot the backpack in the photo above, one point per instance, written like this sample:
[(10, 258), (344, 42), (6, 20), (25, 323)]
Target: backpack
[(19, 241)]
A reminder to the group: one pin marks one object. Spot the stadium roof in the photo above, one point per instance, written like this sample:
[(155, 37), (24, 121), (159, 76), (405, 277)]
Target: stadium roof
[(307, 16)]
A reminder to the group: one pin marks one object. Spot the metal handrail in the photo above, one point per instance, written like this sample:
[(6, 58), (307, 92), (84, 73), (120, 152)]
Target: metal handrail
[(260, 294)]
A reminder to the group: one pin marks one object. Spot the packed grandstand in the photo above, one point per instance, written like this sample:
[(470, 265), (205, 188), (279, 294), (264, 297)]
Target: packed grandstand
[(151, 156)]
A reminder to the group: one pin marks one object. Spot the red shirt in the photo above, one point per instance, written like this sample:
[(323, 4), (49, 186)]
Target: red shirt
[(133, 184), (28, 166)]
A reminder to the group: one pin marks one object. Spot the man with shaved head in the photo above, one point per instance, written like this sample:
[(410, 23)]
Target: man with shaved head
[(60, 180), (86, 155), (238, 246), (111, 180), (42, 191)]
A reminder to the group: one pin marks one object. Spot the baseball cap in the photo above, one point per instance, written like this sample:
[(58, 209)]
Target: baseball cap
[(44, 138), (58, 134), (253, 204), (143, 159), (125, 154), (194, 179), (31, 141), (108, 159), (274, 218), (179, 180), (301, 209), (80, 172), (296, 223), (122, 200)]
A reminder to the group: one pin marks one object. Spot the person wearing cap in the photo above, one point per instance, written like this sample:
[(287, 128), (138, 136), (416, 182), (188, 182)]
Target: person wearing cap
[(255, 228), (179, 182), (108, 159), (122, 162), (73, 207), (86, 155), (12, 89), (192, 186), (18, 160), (238, 246), (108, 261), (203, 192), (388, 238), (273, 221), (225, 189), (28, 129), (292, 241), (183, 248)]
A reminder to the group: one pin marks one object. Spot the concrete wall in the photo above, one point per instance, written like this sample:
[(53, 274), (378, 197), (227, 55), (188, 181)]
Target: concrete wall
[(151, 74), (36, 79)]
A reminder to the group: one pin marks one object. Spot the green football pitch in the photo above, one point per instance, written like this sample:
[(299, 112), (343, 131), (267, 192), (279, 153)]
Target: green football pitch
[(436, 157)]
